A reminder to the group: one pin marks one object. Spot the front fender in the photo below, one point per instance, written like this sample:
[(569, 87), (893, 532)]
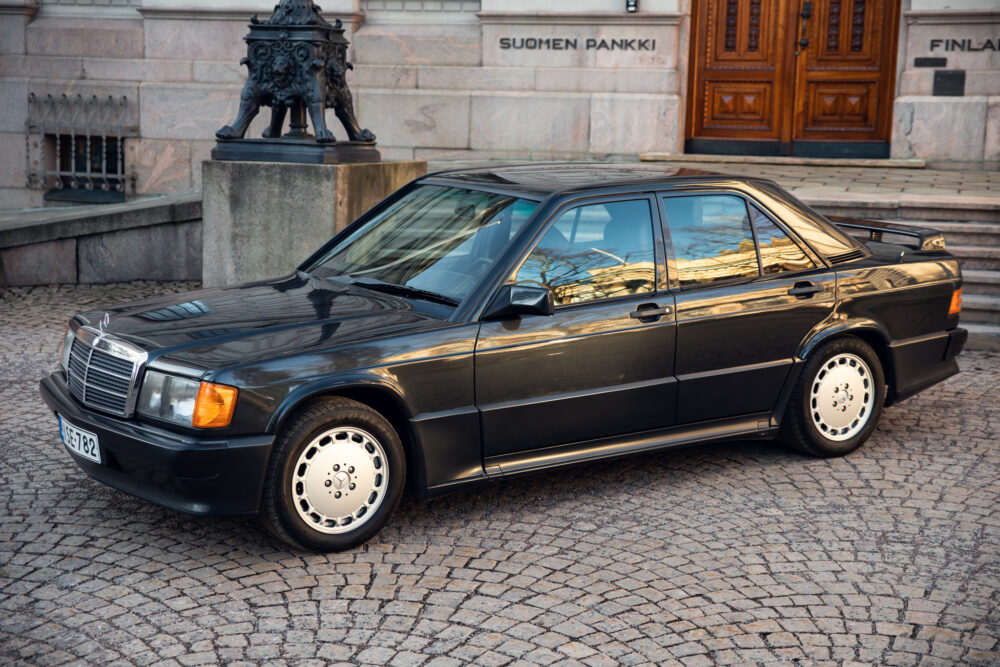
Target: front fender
[(340, 383)]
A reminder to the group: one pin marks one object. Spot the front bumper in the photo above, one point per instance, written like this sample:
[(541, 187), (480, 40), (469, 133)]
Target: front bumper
[(198, 476)]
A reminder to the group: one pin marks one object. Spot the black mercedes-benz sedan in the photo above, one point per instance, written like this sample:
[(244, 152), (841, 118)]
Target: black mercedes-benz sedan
[(490, 322)]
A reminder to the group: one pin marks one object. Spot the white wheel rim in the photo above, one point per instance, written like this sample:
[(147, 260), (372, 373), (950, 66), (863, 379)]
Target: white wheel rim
[(842, 397), (340, 479)]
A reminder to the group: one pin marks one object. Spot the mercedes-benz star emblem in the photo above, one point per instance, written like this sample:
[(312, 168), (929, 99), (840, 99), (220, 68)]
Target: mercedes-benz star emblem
[(105, 321), (340, 480)]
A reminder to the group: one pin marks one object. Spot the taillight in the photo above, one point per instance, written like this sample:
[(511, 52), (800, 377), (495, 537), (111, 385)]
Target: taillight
[(956, 303)]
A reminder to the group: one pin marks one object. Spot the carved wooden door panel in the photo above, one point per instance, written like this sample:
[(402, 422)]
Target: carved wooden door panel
[(792, 77), (844, 77), (741, 84)]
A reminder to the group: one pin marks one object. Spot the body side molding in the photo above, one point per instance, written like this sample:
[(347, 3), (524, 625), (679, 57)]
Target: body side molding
[(756, 425)]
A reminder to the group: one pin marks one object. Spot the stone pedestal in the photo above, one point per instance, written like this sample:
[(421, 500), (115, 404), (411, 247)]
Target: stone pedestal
[(262, 219)]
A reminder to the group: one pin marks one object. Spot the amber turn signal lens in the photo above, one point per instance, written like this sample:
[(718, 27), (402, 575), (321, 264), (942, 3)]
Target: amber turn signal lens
[(214, 406), (956, 303)]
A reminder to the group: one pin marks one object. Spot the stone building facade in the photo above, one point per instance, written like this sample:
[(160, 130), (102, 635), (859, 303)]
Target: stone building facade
[(517, 79)]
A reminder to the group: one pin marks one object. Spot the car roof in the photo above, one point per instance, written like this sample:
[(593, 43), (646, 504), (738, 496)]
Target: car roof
[(545, 179)]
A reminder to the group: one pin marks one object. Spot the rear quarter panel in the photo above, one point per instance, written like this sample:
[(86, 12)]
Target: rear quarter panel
[(909, 301)]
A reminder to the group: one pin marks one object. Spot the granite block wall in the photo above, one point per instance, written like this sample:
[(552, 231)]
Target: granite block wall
[(515, 80), (946, 125)]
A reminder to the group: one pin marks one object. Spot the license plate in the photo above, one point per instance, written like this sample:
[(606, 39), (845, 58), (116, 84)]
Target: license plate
[(79, 441)]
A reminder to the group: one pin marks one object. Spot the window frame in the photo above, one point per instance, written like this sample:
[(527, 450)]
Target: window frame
[(659, 253), (673, 276)]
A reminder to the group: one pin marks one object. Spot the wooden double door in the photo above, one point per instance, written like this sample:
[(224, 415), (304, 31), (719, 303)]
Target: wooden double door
[(811, 78)]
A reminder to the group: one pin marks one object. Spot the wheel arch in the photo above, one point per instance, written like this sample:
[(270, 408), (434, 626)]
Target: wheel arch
[(872, 333), (376, 393)]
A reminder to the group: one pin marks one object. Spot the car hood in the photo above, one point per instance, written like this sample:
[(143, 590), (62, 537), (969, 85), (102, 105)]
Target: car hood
[(218, 328)]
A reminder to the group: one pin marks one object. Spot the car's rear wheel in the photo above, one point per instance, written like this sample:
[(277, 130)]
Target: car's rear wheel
[(837, 400), (335, 475)]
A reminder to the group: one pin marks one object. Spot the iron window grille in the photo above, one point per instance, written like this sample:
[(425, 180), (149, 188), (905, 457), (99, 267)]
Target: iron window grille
[(76, 149)]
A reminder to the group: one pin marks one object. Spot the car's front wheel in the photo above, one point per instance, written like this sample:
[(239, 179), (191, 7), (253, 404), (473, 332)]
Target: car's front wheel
[(336, 473), (837, 400)]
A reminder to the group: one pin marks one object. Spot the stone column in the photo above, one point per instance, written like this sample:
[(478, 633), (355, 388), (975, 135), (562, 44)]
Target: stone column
[(14, 18), (262, 219), (947, 108)]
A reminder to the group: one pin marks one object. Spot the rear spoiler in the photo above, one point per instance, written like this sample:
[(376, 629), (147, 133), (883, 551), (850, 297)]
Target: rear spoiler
[(926, 239)]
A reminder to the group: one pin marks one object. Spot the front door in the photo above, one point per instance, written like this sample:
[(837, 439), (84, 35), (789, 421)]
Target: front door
[(603, 364), (810, 78)]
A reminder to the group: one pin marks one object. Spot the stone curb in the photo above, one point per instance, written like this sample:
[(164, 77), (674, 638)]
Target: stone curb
[(38, 227)]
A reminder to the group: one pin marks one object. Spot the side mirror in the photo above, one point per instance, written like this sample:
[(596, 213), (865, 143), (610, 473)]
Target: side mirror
[(517, 300)]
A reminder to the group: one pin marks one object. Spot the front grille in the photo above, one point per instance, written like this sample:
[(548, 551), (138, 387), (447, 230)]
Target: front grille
[(99, 379)]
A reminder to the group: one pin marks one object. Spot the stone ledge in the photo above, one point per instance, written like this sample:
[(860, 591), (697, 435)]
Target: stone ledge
[(951, 16), (983, 336), (590, 19), (19, 228), (905, 163), (903, 206)]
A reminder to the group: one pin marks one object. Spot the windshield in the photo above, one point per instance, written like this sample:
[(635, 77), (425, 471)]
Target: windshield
[(437, 240)]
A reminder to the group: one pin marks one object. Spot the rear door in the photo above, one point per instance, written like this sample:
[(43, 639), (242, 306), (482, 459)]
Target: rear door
[(598, 367), (747, 294)]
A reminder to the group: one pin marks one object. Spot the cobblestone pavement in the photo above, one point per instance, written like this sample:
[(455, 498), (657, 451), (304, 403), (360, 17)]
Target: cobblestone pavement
[(730, 553)]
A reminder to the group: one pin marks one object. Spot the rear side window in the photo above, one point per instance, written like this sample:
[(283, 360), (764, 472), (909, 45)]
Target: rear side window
[(712, 238), (778, 252), (821, 235)]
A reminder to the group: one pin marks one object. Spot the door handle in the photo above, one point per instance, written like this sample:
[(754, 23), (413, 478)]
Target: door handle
[(650, 311), (805, 290), (807, 12)]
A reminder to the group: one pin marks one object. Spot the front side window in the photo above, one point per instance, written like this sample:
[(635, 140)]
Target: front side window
[(441, 240), (592, 252), (711, 238)]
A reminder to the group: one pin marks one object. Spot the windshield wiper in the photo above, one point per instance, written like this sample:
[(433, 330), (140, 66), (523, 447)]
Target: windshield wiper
[(404, 290)]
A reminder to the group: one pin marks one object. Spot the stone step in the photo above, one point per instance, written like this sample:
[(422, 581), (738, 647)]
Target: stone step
[(981, 308), (839, 163), (965, 233), (976, 257), (980, 281), (982, 337)]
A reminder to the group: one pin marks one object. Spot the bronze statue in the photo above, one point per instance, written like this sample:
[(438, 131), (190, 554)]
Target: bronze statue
[(296, 62)]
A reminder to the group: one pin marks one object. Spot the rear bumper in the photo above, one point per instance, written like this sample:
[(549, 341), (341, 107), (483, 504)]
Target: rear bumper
[(197, 476), (919, 363)]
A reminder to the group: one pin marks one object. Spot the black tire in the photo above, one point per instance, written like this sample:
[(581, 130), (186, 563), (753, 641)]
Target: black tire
[(804, 428), (340, 417)]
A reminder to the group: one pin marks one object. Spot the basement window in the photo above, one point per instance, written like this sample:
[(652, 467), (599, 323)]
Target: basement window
[(76, 148)]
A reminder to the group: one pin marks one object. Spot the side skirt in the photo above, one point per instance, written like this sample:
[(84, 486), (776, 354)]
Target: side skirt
[(757, 425)]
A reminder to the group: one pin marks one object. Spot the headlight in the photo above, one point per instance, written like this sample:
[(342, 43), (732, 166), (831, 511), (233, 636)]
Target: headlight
[(67, 345), (186, 402), (167, 397)]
